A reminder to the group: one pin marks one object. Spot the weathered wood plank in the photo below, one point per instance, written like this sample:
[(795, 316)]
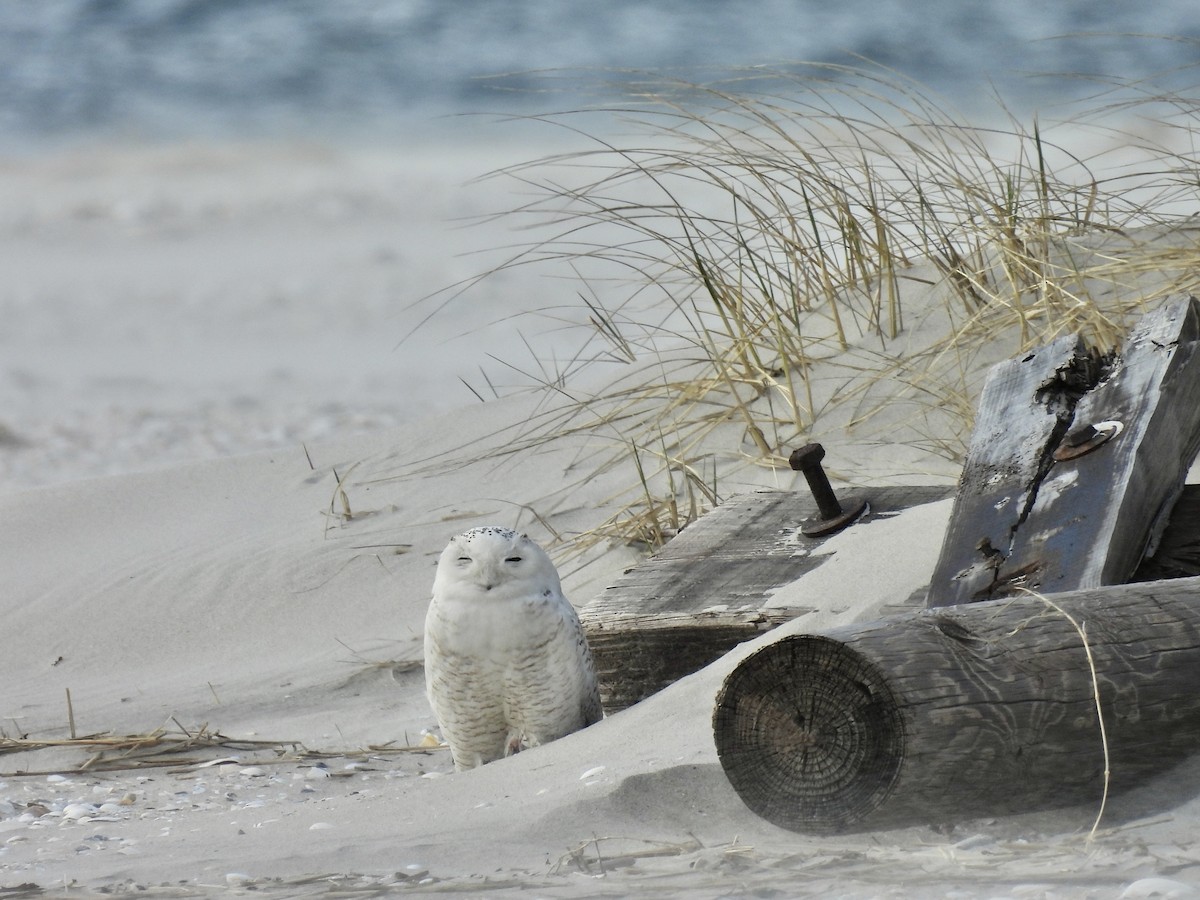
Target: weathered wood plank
[(1025, 406), (710, 589), (957, 712), (1023, 518), (1095, 517), (1178, 553)]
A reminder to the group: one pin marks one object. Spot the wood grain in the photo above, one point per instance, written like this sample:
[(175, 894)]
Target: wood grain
[(1016, 429), (1023, 519), (709, 589), (994, 702), (1098, 515)]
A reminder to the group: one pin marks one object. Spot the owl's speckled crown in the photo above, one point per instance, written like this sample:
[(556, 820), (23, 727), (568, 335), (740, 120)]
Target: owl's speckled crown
[(491, 531)]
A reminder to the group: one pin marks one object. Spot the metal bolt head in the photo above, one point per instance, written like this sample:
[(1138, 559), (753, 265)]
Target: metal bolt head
[(1080, 436), (806, 457)]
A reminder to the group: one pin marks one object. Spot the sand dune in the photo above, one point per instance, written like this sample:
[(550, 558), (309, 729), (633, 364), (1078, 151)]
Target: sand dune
[(242, 605), (223, 593)]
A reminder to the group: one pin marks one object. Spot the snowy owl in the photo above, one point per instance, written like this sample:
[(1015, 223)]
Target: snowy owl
[(507, 665)]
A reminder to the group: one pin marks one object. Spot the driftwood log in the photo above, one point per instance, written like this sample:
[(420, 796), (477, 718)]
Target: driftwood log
[(987, 708)]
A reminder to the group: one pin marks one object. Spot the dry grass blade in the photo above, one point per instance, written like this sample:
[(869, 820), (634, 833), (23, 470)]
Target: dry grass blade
[(1081, 628), (589, 859), (160, 748), (153, 749), (779, 255)]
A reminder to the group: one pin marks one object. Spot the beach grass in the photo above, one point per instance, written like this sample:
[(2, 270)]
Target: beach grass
[(834, 255)]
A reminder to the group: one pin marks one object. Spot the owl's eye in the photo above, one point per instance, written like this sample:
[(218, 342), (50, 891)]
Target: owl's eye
[(513, 559), (464, 559)]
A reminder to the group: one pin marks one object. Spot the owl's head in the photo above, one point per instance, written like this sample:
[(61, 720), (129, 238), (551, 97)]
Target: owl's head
[(494, 563)]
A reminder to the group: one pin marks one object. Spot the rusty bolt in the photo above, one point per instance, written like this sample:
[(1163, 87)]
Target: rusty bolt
[(807, 460), (832, 516), (1080, 436), (1083, 440)]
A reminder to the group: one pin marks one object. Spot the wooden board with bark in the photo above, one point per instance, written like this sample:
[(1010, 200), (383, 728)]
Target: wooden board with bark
[(710, 588)]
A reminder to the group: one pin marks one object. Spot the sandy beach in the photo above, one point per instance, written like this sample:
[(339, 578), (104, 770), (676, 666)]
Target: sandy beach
[(227, 479), (227, 602)]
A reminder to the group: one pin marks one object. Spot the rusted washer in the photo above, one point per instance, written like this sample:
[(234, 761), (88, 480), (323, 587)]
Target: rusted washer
[(1084, 440), (818, 527)]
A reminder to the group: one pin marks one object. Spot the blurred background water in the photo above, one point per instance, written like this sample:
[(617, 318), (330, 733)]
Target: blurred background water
[(219, 219), (162, 68)]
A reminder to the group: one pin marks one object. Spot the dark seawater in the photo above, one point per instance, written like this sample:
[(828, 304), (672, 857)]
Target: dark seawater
[(162, 68)]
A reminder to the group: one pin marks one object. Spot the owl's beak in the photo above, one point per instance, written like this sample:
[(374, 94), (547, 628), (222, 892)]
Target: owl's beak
[(490, 578)]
